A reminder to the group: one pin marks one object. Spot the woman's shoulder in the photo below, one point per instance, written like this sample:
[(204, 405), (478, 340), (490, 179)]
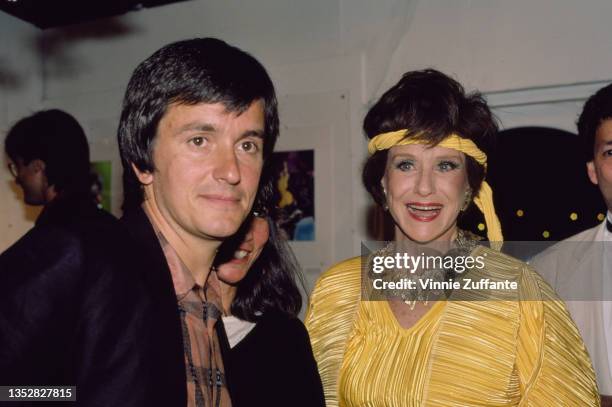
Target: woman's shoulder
[(282, 323), (506, 265), (347, 271), (335, 296), (501, 268), (275, 332), (339, 284), (495, 258), (348, 266)]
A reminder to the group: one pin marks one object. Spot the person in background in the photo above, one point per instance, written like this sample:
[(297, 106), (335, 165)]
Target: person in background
[(587, 256), (427, 143), (270, 360), (64, 287), (199, 120)]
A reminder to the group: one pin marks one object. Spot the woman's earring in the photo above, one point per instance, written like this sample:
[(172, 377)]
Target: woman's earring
[(468, 200), (385, 206)]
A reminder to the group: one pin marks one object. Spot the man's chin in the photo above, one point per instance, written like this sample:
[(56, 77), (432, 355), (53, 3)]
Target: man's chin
[(218, 233)]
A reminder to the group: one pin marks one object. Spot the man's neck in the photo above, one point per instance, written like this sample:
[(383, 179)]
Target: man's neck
[(197, 254), (228, 293)]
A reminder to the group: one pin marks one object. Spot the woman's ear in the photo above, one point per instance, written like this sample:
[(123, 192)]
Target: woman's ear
[(467, 199)]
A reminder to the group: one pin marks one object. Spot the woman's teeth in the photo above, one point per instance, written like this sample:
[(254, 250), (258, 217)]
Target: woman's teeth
[(424, 208), (240, 254)]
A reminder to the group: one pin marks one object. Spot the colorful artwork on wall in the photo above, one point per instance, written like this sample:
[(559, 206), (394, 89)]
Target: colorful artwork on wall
[(294, 194), (101, 172)]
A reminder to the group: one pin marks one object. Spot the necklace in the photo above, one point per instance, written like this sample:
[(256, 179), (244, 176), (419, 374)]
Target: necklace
[(427, 282)]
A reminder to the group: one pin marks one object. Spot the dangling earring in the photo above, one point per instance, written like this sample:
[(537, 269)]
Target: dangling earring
[(385, 206), (468, 200)]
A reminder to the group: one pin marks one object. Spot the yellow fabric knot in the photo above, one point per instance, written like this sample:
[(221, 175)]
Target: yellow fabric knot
[(484, 200)]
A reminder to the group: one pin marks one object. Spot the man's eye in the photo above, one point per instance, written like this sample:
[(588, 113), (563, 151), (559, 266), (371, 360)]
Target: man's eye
[(607, 153), (198, 141), (249, 146)]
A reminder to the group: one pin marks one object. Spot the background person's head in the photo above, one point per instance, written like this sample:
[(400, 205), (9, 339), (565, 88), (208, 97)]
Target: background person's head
[(239, 253), (595, 128), (430, 106), (49, 156), (199, 118), (265, 278)]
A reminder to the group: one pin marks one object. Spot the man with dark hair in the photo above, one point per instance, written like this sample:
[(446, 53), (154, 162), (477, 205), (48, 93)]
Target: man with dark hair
[(45, 166), (199, 120), (585, 259), (64, 289)]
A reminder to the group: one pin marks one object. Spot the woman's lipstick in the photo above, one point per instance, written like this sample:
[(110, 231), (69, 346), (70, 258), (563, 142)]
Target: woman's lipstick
[(424, 211)]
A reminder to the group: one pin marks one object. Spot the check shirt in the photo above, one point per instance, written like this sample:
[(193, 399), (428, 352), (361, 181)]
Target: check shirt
[(199, 309)]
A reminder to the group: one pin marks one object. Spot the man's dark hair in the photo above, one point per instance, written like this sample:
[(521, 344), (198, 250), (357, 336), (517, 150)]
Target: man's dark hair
[(596, 109), (201, 70), (57, 139)]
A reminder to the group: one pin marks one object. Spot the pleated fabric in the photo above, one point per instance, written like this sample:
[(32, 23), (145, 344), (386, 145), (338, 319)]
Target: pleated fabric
[(486, 348)]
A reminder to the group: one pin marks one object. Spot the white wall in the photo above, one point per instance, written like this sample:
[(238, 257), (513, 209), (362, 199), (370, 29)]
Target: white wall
[(497, 45), (20, 94), (325, 48), (320, 47)]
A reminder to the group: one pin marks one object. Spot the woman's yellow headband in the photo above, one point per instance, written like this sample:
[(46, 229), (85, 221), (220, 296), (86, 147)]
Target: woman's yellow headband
[(484, 200)]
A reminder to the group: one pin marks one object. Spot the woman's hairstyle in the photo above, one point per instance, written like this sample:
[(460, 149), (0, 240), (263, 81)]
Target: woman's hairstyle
[(271, 283), (430, 106)]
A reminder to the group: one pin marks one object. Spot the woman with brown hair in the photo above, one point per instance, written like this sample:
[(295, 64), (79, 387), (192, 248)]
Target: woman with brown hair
[(427, 142)]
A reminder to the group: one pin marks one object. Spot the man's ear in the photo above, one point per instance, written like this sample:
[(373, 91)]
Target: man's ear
[(592, 173), (37, 165), (145, 177)]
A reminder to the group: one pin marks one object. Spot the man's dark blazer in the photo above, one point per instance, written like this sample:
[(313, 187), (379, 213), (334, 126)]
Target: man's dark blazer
[(83, 303)]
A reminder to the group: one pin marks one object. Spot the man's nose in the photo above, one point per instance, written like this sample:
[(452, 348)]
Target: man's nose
[(227, 167)]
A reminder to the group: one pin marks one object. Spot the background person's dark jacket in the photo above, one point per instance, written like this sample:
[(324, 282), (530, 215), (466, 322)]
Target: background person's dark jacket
[(273, 366), (77, 308)]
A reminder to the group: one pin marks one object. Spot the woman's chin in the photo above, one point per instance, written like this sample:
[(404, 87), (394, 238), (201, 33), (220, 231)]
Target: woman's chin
[(231, 274), (424, 236)]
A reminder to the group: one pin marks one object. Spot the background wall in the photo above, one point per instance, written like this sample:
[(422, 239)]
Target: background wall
[(341, 54), (20, 94)]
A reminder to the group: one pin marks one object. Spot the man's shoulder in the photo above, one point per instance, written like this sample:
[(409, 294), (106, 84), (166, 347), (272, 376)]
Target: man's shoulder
[(138, 228), (562, 249), (586, 235), (48, 244)]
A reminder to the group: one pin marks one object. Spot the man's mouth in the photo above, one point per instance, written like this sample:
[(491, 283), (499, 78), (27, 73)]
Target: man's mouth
[(222, 199), (424, 212)]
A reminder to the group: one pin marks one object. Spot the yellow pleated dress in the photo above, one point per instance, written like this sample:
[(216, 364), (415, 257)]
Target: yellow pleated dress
[(521, 349)]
